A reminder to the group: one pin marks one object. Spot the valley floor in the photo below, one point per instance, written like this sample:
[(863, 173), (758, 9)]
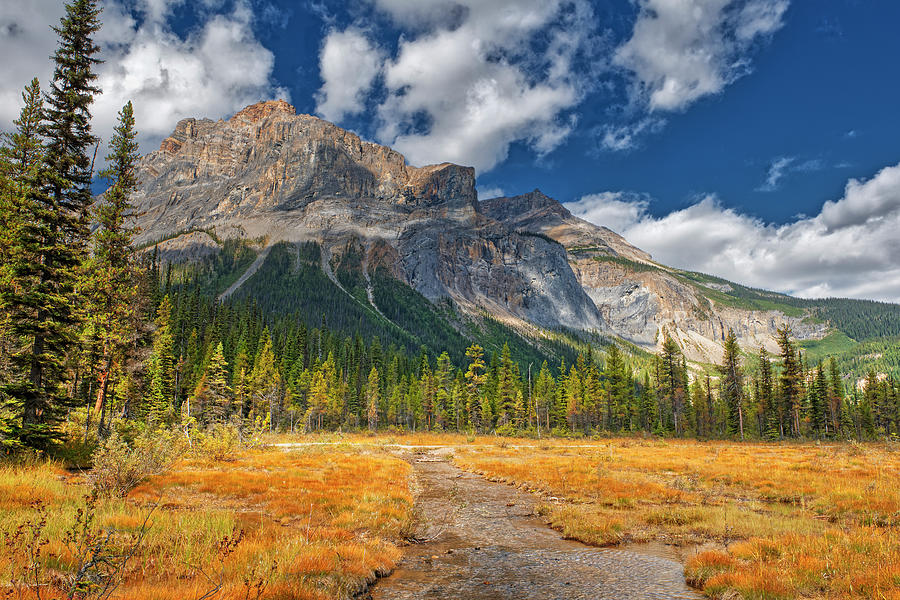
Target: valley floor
[(322, 516)]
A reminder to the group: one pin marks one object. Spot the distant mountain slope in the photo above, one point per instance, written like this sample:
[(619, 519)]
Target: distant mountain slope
[(270, 175)]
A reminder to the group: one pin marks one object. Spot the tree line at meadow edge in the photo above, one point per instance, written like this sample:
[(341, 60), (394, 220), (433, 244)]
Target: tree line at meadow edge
[(92, 336)]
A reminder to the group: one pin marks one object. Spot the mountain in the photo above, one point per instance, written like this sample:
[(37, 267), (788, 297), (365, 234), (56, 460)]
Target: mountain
[(269, 173), (273, 178)]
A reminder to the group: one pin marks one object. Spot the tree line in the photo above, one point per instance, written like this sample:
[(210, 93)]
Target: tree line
[(236, 362)]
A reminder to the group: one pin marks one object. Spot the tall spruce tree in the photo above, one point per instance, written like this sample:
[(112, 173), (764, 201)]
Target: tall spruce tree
[(163, 367), (24, 284), (791, 384), (69, 137), (53, 239), (671, 382), (38, 276), (372, 392), (733, 385), (475, 380), (766, 399), (112, 278), (212, 401)]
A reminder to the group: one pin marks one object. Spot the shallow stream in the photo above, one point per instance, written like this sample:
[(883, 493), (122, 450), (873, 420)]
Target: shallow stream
[(481, 540)]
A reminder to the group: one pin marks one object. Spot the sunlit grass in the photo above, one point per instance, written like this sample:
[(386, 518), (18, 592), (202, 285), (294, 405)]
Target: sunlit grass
[(329, 520), (789, 520)]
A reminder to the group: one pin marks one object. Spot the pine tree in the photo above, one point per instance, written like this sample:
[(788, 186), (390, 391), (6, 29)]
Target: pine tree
[(69, 100), (372, 392), (317, 401), (59, 233), (733, 385), (265, 381), (790, 383), (443, 375), (766, 397), (573, 398), (426, 384), (506, 388), (618, 388), (475, 380), (544, 395), (818, 396), (112, 280), (212, 399), (671, 382), (162, 370), (37, 275)]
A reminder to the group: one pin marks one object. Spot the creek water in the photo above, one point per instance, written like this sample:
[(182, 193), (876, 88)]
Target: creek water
[(482, 541)]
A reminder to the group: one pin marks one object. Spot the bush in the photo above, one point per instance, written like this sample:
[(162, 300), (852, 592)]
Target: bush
[(118, 468), (220, 443)]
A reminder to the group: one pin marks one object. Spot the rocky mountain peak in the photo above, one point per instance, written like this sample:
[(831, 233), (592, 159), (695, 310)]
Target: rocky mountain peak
[(261, 110), (524, 207)]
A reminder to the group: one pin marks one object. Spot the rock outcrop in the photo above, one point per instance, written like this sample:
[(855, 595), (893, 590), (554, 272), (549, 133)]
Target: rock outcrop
[(641, 300)]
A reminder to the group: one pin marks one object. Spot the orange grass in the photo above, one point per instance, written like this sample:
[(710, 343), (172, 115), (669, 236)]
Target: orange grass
[(330, 518), (820, 520)]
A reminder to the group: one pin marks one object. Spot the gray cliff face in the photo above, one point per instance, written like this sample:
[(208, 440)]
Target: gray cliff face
[(538, 213), (269, 173), (639, 299)]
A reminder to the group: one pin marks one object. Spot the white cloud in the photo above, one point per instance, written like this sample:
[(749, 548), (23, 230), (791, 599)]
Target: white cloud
[(614, 210), (486, 193), (466, 81), (683, 50), (780, 167), (348, 64), (213, 71), (849, 249), (621, 138), (776, 172)]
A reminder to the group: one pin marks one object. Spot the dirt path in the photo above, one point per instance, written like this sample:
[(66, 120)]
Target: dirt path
[(484, 542)]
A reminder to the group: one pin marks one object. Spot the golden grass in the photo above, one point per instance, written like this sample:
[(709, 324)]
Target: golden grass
[(328, 518), (787, 520), (816, 521)]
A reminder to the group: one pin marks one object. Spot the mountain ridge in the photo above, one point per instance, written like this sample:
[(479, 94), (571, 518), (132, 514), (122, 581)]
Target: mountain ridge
[(270, 174)]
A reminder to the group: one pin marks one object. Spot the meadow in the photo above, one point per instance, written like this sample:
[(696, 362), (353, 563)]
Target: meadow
[(324, 518), (315, 523), (766, 521)]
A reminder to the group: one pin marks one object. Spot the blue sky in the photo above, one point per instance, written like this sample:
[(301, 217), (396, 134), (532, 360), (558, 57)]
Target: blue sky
[(753, 139)]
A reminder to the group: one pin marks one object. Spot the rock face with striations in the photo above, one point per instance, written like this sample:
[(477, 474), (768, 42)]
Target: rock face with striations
[(270, 173), (641, 300)]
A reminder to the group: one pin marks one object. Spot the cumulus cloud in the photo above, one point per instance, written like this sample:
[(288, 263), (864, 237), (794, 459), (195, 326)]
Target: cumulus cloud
[(469, 78), (214, 70), (614, 210), (348, 65), (683, 50), (849, 249)]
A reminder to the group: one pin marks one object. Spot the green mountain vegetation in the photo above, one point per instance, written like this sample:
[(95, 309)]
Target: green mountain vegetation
[(864, 331)]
